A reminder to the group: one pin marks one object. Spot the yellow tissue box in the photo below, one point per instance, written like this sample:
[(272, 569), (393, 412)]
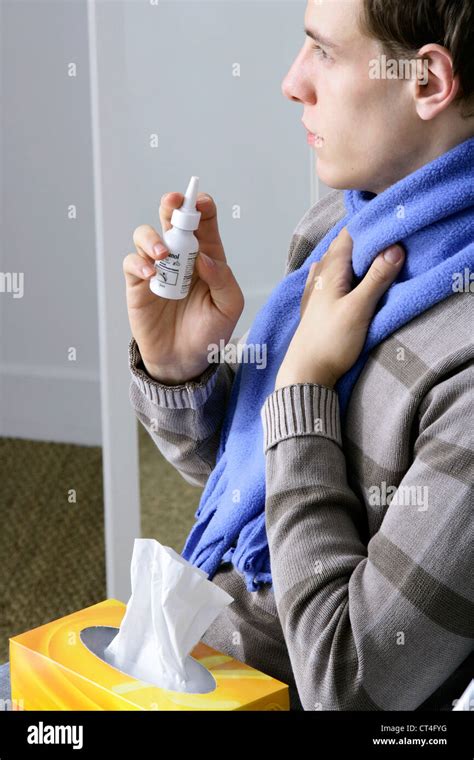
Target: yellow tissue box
[(52, 668)]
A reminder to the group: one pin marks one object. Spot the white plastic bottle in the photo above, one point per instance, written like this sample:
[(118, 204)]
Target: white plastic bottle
[(174, 273)]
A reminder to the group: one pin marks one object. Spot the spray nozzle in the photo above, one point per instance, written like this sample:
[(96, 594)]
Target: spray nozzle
[(190, 196), (187, 217)]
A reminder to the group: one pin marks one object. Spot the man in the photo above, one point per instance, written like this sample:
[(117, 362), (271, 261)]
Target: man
[(370, 605)]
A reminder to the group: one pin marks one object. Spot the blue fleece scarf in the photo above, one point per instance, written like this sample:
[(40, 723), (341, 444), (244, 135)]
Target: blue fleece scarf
[(431, 212)]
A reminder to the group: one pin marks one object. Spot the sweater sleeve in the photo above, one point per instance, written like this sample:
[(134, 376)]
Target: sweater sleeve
[(184, 421), (377, 625)]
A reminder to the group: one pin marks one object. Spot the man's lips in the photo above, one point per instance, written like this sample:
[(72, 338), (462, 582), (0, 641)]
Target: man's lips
[(313, 138)]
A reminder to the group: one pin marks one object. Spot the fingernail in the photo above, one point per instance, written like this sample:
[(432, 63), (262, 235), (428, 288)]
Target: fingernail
[(393, 254), (207, 260), (159, 248), (147, 271)]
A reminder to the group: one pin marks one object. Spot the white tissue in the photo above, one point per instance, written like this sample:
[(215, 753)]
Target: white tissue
[(466, 700), (171, 606)]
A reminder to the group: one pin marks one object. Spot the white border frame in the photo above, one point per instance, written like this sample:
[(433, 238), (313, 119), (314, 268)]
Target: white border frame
[(119, 423)]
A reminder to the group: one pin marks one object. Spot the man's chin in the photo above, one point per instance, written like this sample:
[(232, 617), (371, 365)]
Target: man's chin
[(331, 175)]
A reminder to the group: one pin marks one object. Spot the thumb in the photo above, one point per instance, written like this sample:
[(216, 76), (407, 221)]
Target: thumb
[(381, 274), (224, 288)]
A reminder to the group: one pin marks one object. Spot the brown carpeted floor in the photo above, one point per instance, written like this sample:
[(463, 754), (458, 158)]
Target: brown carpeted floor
[(51, 549)]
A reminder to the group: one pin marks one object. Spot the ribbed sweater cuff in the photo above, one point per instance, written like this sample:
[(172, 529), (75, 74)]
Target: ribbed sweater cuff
[(189, 395), (301, 409)]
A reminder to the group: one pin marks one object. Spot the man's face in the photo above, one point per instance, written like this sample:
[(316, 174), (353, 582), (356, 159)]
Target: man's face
[(368, 129)]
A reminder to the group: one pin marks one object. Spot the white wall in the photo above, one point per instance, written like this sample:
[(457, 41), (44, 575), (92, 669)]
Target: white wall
[(239, 134), (47, 166)]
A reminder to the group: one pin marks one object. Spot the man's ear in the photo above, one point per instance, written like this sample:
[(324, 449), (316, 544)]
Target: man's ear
[(436, 85)]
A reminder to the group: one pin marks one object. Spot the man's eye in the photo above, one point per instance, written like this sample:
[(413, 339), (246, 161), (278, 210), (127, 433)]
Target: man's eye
[(319, 50)]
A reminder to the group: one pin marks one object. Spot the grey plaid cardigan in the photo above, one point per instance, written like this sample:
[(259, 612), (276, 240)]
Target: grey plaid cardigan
[(369, 524)]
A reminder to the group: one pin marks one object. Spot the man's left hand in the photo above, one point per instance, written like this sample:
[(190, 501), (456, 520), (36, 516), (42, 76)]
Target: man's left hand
[(334, 318)]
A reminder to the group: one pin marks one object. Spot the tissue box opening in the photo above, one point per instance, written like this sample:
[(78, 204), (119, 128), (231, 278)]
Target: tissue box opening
[(96, 639)]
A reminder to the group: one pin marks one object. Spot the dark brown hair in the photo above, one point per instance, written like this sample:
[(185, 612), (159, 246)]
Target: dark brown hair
[(404, 26)]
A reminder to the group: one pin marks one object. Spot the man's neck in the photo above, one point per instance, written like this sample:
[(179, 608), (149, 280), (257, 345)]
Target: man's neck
[(434, 150)]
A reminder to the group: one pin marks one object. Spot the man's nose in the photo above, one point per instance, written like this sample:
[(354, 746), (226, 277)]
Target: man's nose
[(287, 86), (296, 85)]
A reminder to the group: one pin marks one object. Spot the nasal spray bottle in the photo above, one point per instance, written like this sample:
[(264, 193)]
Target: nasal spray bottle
[(174, 273)]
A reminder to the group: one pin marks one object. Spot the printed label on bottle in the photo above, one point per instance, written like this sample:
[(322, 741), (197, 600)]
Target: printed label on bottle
[(167, 270), (188, 272)]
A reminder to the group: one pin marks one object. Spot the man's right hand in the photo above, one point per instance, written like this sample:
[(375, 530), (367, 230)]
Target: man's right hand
[(173, 335)]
